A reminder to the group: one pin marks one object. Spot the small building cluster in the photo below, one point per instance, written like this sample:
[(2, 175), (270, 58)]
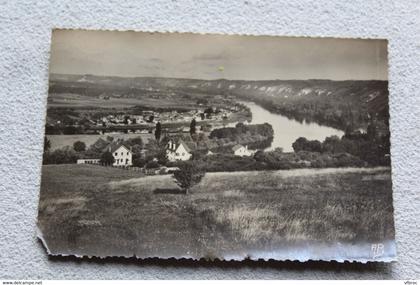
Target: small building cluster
[(178, 150), (123, 156), (151, 117)]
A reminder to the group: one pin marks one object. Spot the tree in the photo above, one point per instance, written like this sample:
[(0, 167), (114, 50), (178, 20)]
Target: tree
[(156, 150), (79, 146), (193, 127), (161, 156), (201, 137), (303, 144), (136, 141), (60, 156), (107, 158), (158, 131), (314, 146), (47, 144), (349, 129), (189, 174), (194, 137), (278, 149), (333, 144), (137, 156)]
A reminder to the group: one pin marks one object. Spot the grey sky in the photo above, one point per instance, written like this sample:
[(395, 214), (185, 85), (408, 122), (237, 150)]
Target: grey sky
[(216, 56)]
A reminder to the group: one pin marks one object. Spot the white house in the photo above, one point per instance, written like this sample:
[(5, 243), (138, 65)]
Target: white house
[(122, 155), (241, 150), (177, 151)]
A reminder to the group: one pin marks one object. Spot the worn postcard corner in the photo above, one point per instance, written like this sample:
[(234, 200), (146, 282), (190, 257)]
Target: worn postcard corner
[(225, 147)]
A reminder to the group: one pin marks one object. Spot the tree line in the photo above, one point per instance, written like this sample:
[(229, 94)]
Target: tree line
[(371, 147)]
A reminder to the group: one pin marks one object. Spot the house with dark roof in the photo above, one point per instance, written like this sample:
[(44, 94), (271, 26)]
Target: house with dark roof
[(241, 150), (100, 144), (122, 154), (177, 150)]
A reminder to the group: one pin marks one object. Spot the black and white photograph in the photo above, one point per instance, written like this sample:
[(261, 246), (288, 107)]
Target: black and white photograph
[(212, 146)]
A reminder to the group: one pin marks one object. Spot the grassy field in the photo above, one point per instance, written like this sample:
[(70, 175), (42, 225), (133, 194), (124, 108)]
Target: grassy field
[(70, 100), (92, 210), (60, 141)]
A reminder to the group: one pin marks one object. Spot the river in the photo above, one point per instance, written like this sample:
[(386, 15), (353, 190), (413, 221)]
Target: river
[(286, 130)]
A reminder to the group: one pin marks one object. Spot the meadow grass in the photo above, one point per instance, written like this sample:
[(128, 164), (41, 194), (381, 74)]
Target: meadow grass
[(93, 210)]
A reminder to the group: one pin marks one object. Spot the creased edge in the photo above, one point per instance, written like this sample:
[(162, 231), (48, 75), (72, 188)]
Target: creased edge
[(246, 257), (386, 260), (40, 236)]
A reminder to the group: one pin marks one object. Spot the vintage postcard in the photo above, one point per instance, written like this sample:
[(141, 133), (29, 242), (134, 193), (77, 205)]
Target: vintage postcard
[(217, 146)]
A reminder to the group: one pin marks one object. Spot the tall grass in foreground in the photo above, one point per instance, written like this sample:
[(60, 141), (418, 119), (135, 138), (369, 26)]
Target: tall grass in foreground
[(99, 211)]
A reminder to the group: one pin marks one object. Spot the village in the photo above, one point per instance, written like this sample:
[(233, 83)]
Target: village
[(175, 149), (143, 119), (165, 136), (149, 117)]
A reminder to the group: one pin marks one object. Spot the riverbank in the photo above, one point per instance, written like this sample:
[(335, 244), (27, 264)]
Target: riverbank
[(287, 131)]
